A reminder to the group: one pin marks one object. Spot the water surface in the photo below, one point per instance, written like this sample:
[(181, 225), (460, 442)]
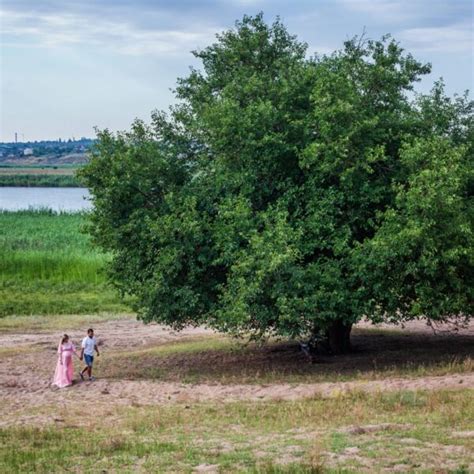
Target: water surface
[(13, 198)]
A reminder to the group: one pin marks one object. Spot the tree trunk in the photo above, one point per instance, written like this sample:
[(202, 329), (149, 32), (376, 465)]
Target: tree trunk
[(339, 337)]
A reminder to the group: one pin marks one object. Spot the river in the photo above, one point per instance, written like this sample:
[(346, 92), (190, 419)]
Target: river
[(14, 198)]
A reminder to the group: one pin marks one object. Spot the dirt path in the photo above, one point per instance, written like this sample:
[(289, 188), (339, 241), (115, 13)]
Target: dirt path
[(116, 334), (28, 362)]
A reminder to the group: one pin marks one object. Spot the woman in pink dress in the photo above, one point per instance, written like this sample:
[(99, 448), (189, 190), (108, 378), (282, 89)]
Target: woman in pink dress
[(64, 367)]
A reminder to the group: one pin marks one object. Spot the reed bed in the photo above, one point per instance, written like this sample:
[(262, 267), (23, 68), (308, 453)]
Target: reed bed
[(48, 264), (39, 180)]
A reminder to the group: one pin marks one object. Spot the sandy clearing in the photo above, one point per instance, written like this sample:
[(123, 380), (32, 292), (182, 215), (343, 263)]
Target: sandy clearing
[(121, 333), (19, 401), (25, 376), (146, 392)]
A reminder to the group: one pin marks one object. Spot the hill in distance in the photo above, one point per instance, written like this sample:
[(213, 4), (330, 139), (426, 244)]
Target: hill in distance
[(48, 153)]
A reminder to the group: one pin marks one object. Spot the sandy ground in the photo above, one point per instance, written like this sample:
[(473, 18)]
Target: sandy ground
[(28, 361)]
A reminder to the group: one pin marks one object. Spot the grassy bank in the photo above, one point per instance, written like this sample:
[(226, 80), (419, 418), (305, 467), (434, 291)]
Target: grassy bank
[(39, 180), (42, 168), (39, 176), (358, 432), (47, 265)]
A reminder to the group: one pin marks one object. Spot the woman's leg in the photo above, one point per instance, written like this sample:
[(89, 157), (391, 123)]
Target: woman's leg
[(69, 370)]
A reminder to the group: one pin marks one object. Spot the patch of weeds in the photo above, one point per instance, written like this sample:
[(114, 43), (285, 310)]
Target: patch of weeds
[(461, 470), (405, 399), (292, 468), (34, 323), (339, 442)]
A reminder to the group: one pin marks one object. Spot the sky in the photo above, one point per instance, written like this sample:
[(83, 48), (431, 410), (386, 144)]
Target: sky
[(69, 66)]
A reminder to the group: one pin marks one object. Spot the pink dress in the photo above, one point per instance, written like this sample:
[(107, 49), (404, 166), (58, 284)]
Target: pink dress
[(64, 371)]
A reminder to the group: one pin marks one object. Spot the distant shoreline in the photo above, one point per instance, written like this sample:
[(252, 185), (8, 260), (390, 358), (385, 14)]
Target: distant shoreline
[(39, 177)]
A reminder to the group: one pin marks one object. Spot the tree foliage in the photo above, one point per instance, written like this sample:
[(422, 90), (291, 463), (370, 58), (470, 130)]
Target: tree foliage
[(292, 195)]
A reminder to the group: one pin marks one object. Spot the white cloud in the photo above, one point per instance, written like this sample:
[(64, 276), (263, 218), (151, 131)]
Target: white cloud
[(63, 29), (449, 39)]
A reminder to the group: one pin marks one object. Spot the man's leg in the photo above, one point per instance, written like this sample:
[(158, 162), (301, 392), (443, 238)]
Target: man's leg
[(88, 367), (90, 361)]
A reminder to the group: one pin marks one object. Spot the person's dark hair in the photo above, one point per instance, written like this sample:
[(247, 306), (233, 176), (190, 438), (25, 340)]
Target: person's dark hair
[(90, 330), (64, 338)]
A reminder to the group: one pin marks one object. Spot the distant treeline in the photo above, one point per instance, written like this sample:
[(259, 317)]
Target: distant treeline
[(39, 180)]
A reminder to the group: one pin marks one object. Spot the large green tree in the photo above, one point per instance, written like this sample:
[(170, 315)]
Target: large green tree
[(291, 195)]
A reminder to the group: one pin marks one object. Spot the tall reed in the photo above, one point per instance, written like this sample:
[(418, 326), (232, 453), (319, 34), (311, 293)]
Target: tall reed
[(47, 264)]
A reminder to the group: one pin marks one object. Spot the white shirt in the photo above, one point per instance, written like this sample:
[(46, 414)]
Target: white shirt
[(88, 344)]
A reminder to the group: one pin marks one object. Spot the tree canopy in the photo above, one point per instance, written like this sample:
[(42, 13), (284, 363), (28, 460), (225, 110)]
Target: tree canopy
[(292, 195)]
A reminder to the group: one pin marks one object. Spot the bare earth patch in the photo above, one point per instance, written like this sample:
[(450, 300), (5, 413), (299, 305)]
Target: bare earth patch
[(28, 360), (196, 401)]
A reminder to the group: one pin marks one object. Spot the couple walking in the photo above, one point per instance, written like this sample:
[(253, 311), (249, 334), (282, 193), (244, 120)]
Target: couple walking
[(64, 368)]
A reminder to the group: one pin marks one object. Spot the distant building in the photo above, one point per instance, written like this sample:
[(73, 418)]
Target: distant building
[(28, 151)]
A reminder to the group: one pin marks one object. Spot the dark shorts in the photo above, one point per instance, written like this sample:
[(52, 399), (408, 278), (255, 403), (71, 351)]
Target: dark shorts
[(89, 360)]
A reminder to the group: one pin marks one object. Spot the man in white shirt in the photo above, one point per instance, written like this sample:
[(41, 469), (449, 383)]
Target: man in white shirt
[(88, 346)]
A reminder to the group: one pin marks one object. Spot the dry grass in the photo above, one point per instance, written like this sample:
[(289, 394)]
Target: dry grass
[(35, 323), (13, 351), (118, 426), (406, 431), (213, 359)]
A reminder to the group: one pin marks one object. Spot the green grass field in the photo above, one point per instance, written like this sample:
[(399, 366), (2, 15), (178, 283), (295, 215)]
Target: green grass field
[(39, 176), (39, 180), (47, 266)]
